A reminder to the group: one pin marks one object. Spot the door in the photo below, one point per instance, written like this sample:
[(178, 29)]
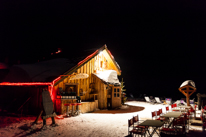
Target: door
[(116, 97)]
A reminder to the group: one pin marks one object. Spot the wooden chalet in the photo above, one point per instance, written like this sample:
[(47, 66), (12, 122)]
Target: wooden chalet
[(93, 78)]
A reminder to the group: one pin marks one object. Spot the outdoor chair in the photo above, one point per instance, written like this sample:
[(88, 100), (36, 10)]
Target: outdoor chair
[(174, 106), (137, 122), (167, 131), (195, 108), (167, 109), (192, 111), (183, 122), (192, 102), (135, 131), (187, 116), (180, 103), (203, 119), (153, 114), (158, 115), (149, 100), (168, 101), (177, 128), (160, 111), (162, 118), (157, 99)]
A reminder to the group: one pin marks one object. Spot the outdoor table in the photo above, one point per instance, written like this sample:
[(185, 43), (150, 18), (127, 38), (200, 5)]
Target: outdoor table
[(185, 107), (173, 115), (178, 109), (154, 124)]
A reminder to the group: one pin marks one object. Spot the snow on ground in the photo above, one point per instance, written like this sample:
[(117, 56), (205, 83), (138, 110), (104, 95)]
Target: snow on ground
[(84, 125)]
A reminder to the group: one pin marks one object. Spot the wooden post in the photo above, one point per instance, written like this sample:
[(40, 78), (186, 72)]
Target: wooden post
[(37, 118), (188, 99)]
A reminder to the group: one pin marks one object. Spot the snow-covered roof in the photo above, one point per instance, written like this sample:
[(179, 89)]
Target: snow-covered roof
[(109, 76), (44, 71), (48, 70), (188, 82)]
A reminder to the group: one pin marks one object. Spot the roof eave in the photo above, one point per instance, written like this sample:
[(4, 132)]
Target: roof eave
[(81, 63)]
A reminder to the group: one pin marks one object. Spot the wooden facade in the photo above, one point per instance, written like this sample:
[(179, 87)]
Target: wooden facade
[(91, 88), (66, 82)]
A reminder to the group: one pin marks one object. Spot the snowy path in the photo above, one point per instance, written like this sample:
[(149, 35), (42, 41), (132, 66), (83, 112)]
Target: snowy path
[(84, 125)]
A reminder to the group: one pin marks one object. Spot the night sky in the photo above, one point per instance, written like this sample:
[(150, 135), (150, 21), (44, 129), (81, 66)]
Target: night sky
[(158, 44)]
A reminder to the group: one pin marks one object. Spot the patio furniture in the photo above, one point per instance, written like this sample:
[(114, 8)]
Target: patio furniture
[(195, 109), (183, 121), (160, 111), (178, 127), (192, 112), (172, 106), (73, 112), (78, 108), (153, 114), (157, 99), (137, 122), (77, 111), (149, 100), (166, 131), (179, 110), (180, 102), (168, 101), (155, 124), (173, 115), (157, 114), (136, 131), (192, 102), (175, 107), (185, 108), (68, 111), (189, 115), (203, 119), (167, 109)]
